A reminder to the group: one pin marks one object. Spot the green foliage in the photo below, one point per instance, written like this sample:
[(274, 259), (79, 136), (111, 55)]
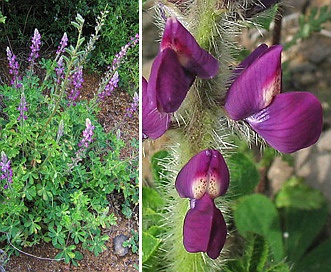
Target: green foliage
[(60, 185), (302, 227), (244, 175), (296, 194), (264, 221), (256, 258), (133, 242), (310, 23), (52, 19), (318, 260)]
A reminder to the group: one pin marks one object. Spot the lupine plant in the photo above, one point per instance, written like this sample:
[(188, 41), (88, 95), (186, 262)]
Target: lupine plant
[(208, 103), (58, 165)]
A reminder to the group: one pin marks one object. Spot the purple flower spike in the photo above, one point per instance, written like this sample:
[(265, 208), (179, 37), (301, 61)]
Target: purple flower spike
[(257, 84), (169, 81), (155, 123), (190, 55), (205, 173), (204, 228), (292, 121)]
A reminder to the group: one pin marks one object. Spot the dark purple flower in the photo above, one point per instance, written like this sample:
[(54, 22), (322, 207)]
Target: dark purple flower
[(206, 172), (155, 123), (204, 228), (22, 108), (35, 46), (179, 61), (6, 170), (289, 121), (202, 179)]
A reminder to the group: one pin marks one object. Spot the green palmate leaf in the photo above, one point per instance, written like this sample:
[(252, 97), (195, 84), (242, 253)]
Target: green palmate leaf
[(318, 260), (244, 175), (257, 214), (295, 194), (150, 245), (151, 198), (302, 227)]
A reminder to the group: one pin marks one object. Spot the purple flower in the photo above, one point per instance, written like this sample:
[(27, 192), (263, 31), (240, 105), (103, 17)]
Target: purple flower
[(63, 44), (202, 179), (87, 133), (110, 87), (59, 70), (22, 108), (287, 121), (35, 46), (133, 106), (13, 68), (76, 83), (6, 171), (204, 228), (155, 123), (179, 61)]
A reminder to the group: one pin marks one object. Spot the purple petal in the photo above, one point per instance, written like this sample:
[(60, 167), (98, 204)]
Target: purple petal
[(291, 122), (155, 124), (204, 228), (256, 86), (169, 81), (191, 56), (206, 172)]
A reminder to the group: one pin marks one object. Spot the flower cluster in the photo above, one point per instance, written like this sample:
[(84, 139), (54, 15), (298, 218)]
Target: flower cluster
[(124, 49), (13, 68), (6, 171), (179, 61), (76, 84), (287, 121), (35, 46), (22, 108), (63, 44), (110, 87), (204, 178), (133, 107), (87, 133), (111, 78), (59, 69)]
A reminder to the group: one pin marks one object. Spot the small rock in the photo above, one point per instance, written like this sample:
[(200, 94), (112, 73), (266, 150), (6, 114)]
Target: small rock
[(324, 143), (279, 172), (119, 249)]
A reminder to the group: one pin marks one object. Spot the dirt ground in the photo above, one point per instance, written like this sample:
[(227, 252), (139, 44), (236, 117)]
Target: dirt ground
[(111, 117)]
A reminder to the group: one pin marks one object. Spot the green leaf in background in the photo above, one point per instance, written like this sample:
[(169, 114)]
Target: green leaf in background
[(296, 194), (151, 198), (302, 227), (255, 257), (318, 260), (150, 245), (244, 175), (257, 214)]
